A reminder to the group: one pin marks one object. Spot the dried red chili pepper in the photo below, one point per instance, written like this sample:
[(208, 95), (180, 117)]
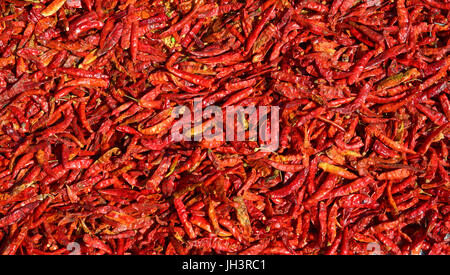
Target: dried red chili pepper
[(87, 155)]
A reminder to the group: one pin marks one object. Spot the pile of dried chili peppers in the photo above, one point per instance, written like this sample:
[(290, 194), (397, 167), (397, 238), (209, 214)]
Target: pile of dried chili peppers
[(87, 88)]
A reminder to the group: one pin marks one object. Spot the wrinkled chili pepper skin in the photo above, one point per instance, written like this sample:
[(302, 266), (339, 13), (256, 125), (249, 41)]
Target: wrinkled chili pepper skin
[(88, 90)]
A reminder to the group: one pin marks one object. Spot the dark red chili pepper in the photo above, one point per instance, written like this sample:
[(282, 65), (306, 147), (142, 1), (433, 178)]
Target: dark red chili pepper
[(295, 184)]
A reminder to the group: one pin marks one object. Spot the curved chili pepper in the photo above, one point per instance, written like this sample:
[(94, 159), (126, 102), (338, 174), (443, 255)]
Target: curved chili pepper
[(112, 39), (182, 214)]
